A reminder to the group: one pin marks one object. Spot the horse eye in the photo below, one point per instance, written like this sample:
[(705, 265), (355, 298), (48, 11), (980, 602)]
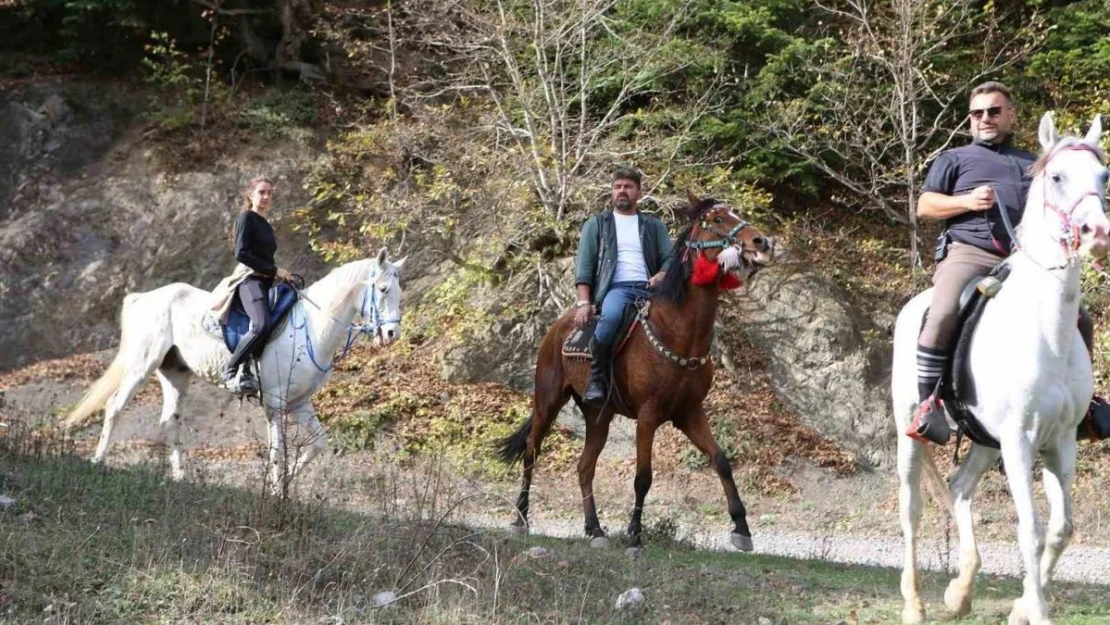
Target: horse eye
[(1057, 178), (716, 220)]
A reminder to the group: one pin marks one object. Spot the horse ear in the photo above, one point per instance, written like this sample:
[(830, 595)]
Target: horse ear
[(400, 264), (382, 255), (691, 198), (1095, 133), (1047, 132)]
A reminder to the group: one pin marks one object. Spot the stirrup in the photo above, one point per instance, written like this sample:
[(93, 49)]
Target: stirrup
[(929, 423), (242, 383)]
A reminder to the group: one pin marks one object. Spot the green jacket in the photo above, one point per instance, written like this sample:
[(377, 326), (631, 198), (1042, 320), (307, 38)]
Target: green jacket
[(597, 251)]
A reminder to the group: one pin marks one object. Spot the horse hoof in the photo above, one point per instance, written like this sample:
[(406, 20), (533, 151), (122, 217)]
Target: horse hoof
[(957, 599), (1017, 614), (634, 552), (599, 542), (913, 615), (743, 543), (520, 528)]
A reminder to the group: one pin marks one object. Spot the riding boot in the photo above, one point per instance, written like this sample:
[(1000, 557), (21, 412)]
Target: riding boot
[(929, 424), (597, 390), (1095, 425)]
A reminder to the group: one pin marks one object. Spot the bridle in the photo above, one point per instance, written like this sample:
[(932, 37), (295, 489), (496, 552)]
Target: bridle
[(725, 240), (371, 323), (374, 321), (1070, 241)]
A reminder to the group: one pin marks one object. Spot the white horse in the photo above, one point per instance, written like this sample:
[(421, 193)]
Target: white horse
[(162, 333), (1032, 376)]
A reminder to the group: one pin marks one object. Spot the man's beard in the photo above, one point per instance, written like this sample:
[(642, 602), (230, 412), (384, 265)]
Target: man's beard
[(623, 203)]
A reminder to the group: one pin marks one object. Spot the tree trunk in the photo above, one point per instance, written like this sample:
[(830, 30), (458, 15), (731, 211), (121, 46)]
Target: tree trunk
[(296, 19)]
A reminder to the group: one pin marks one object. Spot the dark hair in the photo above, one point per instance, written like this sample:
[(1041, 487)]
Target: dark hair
[(992, 87), (245, 205), (627, 173)]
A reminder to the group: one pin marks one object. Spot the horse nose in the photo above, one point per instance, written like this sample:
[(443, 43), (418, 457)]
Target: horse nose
[(761, 244)]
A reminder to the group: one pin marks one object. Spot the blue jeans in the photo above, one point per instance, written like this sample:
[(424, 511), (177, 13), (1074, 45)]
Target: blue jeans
[(620, 295)]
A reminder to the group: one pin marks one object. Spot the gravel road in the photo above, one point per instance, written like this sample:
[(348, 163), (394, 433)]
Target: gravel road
[(1078, 564)]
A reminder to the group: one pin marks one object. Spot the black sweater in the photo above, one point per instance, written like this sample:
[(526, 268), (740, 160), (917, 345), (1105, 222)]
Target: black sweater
[(255, 243)]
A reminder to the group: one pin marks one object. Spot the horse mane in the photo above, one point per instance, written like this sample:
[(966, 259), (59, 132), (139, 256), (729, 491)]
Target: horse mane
[(1042, 161), (676, 284), (347, 277)]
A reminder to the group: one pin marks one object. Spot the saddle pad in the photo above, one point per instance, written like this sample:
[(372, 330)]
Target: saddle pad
[(282, 297), (577, 343)]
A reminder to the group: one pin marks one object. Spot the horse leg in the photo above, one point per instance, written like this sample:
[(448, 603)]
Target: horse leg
[(129, 384), (910, 460), (597, 433), (547, 402), (1017, 453), (696, 428), (316, 442), (278, 471), (646, 424), (958, 594), (1059, 470), (175, 383)]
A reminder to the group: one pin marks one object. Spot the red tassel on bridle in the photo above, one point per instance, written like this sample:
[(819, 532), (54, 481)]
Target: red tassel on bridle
[(707, 272)]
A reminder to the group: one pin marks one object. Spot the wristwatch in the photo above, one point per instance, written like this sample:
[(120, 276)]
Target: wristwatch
[(580, 303)]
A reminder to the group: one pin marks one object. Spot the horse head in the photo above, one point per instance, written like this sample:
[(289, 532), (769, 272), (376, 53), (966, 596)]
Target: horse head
[(721, 235), (1069, 187), (381, 301)]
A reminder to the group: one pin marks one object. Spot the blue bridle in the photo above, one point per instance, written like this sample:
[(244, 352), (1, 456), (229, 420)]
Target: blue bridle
[(353, 330), (723, 242)]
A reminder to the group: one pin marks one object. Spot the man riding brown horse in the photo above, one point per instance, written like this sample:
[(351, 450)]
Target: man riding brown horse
[(622, 253), (662, 371)]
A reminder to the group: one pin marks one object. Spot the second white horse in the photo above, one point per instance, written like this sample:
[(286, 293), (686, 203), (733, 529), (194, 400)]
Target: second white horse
[(161, 333)]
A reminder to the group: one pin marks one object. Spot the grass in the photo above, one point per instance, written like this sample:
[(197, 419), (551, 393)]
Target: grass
[(87, 545)]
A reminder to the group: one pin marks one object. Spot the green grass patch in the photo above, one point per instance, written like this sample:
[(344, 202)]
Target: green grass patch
[(87, 545)]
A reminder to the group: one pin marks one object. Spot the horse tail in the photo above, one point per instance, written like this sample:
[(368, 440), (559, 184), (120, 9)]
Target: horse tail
[(935, 484), (511, 449), (107, 384)]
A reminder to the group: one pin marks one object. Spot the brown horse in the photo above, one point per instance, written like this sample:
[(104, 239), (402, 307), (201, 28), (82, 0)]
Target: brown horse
[(663, 372)]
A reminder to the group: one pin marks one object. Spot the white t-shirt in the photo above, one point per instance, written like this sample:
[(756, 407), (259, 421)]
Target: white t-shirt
[(630, 253)]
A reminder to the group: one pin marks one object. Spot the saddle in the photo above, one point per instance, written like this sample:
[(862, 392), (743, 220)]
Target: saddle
[(577, 344), (281, 300), (957, 386)]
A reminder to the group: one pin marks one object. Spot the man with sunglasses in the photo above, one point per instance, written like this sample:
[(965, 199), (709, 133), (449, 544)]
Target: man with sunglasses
[(967, 187)]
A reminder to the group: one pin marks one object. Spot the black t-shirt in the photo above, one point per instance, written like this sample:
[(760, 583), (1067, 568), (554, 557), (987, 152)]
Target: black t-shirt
[(255, 243), (960, 170)]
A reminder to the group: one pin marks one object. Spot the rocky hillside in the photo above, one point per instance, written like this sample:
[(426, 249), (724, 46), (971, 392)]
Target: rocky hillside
[(93, 207), (89, 212)]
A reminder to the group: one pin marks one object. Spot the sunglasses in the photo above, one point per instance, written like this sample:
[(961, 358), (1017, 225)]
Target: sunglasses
[(991, 111)]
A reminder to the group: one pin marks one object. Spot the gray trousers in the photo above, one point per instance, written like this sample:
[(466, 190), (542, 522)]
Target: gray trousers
[(963, 263)]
